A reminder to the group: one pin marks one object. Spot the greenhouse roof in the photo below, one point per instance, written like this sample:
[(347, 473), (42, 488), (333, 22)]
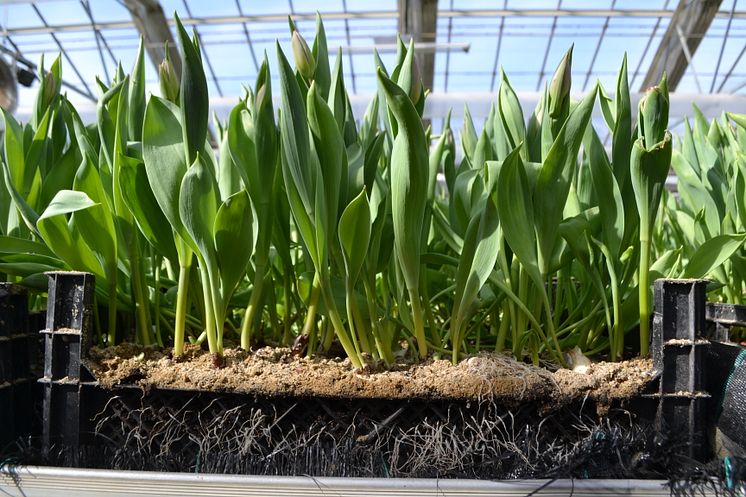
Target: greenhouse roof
[(471, 40)]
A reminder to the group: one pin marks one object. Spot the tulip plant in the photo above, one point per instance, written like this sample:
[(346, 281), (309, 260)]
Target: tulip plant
[(306, 226)]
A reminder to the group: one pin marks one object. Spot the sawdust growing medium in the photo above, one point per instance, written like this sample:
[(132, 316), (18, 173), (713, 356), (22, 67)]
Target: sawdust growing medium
[(277, 372)]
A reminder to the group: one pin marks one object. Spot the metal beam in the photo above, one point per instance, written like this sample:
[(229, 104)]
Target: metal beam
[(43, 20), (549, 46), (647, 47), (331, 16), (16, 54), (598, 49), (248, 38), (151, 22), (687, 27), (418, 19), (204, 55), (722, 48), (153, 25)]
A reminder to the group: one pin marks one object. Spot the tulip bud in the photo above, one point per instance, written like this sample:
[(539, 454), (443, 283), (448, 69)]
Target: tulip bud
[(304, 59), (559, 88), (168, 80), (261, 93), (653, 114), (415, 91), (50, 89), (450, 140), (262, 108), (410, 79)]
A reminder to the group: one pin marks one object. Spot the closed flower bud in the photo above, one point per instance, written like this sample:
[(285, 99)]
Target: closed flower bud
[(168, 80), (415, 90), (653, 114), (50, 89), (304, 59), (261, 93), (559, 88)]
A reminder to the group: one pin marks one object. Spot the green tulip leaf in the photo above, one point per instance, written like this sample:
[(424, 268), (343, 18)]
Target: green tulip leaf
[(198, 206), (163, 154), (711, 254), (138, 195), (516, 213), (233, 240), (555, 177), (193, 98), (409, 173), (354, 235), (61, 237)]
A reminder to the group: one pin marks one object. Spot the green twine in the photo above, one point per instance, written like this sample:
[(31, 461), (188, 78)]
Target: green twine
[(728, 470)]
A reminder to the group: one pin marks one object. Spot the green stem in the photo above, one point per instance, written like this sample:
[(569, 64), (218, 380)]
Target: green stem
[(559, 291), (142, 304), (730, 296), (182, 294), (254, 304), (434, 335), (383, 350), (520, 323), (270, 302), (190, 320), (644, 291), (362, 327), (286, 333), (466, 328), (162, 317), (520, 306), (209, 323), (578, 306), (509, 312), (419, 323), (326, 333), (341, 332), (218, 309), (456, 327), (111, 332), (157, 262), (577, 325), (737, 286), (557, 351), (96, 319), (503, 329), (309, 325), (616, 338), (351, 321)]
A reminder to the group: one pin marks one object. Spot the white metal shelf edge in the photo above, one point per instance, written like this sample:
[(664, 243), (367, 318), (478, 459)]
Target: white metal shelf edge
[(62, 482)]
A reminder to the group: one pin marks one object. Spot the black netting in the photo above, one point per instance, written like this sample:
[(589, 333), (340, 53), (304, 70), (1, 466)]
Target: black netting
[(732, 420)]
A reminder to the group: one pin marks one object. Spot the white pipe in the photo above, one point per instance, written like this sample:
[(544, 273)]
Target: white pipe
[(62, 482)]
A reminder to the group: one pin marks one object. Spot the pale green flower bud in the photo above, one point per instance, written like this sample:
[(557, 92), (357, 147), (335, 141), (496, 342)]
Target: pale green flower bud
[(261, 93), (653, 114), (415, 91), (304, 60), (559, 88), (50, 89), (168, 80)]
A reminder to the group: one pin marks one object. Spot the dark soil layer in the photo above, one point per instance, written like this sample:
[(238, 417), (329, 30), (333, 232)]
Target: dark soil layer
[(277, 372)]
